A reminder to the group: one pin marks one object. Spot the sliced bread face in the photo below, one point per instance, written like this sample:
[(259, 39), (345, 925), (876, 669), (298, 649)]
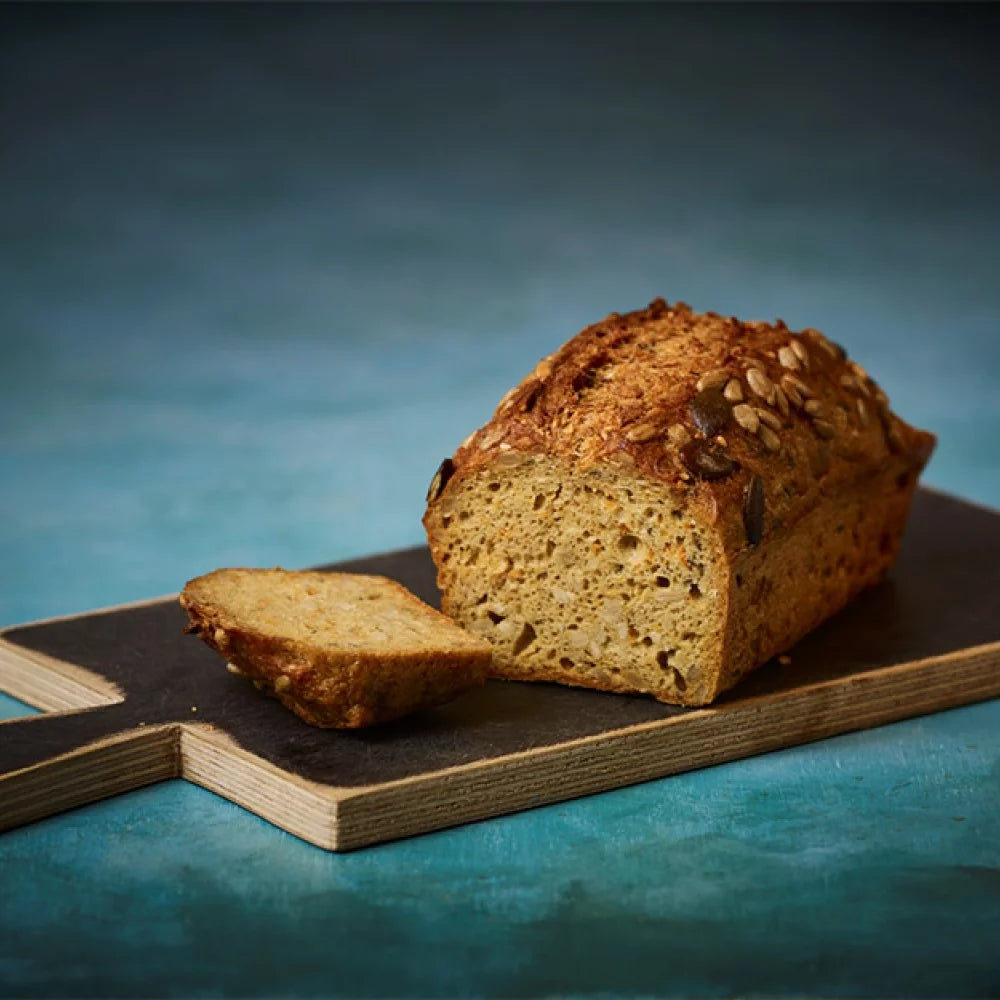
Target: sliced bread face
[(340, 650)]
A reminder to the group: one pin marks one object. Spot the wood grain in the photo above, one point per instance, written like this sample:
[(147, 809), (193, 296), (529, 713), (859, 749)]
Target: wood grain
[(925, 640)]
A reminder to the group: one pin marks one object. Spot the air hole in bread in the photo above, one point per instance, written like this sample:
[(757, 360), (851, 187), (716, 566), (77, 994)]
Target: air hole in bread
[(539, 501), (628, 543), (663, 581), (494, 617), (524, 640), (663, 658), (694, 590)]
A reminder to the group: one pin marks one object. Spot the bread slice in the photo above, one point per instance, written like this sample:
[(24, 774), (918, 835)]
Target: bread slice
[(670, 500), (340, 650)]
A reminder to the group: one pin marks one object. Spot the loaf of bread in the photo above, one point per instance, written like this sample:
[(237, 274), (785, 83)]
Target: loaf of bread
[(340, 650), (670, 500)]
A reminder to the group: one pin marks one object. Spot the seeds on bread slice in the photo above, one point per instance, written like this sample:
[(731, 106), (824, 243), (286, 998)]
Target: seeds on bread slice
[(340, 650)]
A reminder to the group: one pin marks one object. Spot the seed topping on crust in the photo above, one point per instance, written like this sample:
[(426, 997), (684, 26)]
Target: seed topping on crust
[(788, 358), (678, 435), (641, 433), (760, 384), (713, 380), (710, 411), (444, 472), (768, 418), (768, 438), (746, 417), (708, 461), (753, 510), (799, 349)]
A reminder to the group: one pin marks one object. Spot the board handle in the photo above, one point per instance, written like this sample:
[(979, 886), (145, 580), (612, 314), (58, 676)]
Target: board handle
[(53, 762)]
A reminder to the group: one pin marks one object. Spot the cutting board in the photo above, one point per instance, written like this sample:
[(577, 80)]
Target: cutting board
[(134, 701)]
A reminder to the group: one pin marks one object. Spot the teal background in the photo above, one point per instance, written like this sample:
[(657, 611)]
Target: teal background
[(262, 267)]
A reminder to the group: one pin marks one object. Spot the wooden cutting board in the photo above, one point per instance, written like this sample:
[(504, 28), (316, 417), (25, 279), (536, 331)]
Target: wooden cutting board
[(138, 701)]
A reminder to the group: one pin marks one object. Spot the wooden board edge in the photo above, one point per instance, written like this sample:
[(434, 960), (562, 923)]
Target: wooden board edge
[(50, 684), (641, 753), (107, 767), (212, 759)]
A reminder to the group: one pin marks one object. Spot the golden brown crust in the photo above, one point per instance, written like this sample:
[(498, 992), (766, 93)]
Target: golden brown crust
[(329, 685), (775, 439), (623, 391)]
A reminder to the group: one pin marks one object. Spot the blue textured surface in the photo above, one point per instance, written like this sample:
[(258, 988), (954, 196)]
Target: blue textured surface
[(261, 268)]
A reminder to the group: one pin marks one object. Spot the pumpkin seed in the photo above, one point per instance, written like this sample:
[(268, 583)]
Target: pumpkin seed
[(708, 461), (710, 411), (444, 472), (753, 510)]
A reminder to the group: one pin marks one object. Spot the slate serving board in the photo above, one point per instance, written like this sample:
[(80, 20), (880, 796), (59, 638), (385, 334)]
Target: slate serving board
[(137, 701)]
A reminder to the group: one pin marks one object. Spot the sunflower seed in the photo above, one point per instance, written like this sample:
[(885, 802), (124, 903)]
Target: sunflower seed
[(768, 438), (768, 418), (489, 439), (823, 428), (678, 435), (746, 417), (733, 391), (712, 380), (790, 391), (858, 370), (849, 382), (710, 411), (863, 414), (753, 510), (781, 400), (641, 433), (507, 399), (543, 369), (788, 358), (444, 472), (760, 384), (707, 461), (792, 381), (814, 408), (830, 347), (801, 353)]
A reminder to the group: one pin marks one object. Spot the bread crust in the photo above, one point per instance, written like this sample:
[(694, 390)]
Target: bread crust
[(331, 686), (772, 437)]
